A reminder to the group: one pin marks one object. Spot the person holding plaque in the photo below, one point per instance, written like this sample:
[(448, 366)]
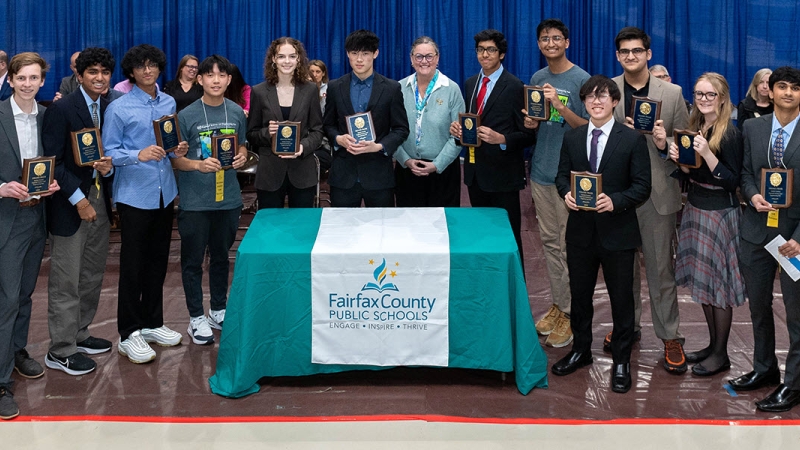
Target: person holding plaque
[(495, 172), (285, 95), (362, 170), (562, 81), (608, 236), (78, 217), (22, 223), (772, 142), (709, 231), (427, 172), (756, 102), (657, 215), (184, 88), (211, 200), (144, 190)]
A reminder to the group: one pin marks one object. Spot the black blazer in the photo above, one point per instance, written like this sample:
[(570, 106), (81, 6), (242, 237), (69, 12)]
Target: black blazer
[(625, 167), (497, 170), (264, 106), (69, 114), (373, 170)]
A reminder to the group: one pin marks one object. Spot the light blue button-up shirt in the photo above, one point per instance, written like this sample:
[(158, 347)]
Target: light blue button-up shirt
[(128, 129)]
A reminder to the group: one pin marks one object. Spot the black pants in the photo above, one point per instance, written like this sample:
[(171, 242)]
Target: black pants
[(435, 189), (298, 198), (506, 200), (352, 197), (143, 258)]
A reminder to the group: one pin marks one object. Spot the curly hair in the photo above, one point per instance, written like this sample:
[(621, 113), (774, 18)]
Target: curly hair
[(95, 55), (300, 72), (139, 55)]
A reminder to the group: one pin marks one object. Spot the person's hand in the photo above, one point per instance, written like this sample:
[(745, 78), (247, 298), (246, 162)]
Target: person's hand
[(490, 136), (209, 165), (86, 211), (103, 165), (701, 146), (294, 155), (455, 130), (760, 204), (152, 153), (659, 134), (273, 127), (57, 96), (790, 249), (240, 158), (551, 94), (570, 201), (604, 203), (629, 122), (420, 168), (52, 189), (530, 123), (182, 150), (345, 141), (364, 147)]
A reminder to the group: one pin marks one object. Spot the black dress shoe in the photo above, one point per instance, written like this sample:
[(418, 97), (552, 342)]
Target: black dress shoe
[(782, 399), (701, 371), (621, 378), (698, 356), (572, 362), (754, 380)]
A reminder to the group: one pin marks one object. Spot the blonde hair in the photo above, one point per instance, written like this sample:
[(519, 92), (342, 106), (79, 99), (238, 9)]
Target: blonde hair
[(752, 92), (724, 111)]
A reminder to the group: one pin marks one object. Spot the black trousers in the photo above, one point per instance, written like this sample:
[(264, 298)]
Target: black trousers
[(435, 189), (506, 200), (143, 258), (298, 198), (352, 197), (583, 264)]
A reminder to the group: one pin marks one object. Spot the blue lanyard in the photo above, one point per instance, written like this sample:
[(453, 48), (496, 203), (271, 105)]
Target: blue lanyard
[(420, 104)]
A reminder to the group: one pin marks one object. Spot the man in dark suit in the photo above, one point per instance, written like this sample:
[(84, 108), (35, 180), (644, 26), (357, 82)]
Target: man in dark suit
[(609, 236), (5, 88), (772, 141), (22, 226), (78, 218), (495, 172), (363, 170)]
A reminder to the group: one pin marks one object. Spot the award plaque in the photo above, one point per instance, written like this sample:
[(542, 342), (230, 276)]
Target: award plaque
[(645, 111), (537, 107), (360, 126), (86, 146), (776, 186), (37, 174), (469, 129), (586, 187), (687, 157), (287, 140), (224, 148), (168, 133)]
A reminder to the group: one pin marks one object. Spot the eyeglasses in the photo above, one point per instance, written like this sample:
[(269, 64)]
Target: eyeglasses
[(419, 57), (547, 39), (190, 67), (638, 51), (490, 50), (148, 65), (602, 98), (361, 54), (292, 57), (707, 95)]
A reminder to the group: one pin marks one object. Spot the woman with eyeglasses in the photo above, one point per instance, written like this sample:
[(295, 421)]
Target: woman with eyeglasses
[(286, 95), (708, 239), (756, 102), (427, 172), (184, 88)]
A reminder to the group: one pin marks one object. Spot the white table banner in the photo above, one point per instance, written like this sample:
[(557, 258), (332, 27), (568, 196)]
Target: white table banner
[(380, 282)]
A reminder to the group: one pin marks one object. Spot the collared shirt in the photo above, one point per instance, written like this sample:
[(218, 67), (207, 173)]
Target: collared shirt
[(360, 90), (78, 194), (27, 133), (128, 129), (601, 140), (630, 91), (788, 130), (492, 81)]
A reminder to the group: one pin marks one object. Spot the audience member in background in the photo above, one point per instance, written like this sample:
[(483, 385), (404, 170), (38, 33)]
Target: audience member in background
[(238, 90), (69, 84), (319, 75), (662, 74), (756, 102), (184, 88), (5, 88)]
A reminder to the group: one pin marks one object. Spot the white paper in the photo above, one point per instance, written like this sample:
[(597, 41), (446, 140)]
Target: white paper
[(790, 265)]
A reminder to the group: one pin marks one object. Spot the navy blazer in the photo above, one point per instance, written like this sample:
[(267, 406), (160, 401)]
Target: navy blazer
[(5, 89)]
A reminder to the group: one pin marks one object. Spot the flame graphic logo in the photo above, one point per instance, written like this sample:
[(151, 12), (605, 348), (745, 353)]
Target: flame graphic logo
[(380, 275)]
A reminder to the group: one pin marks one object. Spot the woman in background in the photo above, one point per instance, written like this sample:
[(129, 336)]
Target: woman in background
[(238, 91), (184, 88), (319, 74), (756, 102)]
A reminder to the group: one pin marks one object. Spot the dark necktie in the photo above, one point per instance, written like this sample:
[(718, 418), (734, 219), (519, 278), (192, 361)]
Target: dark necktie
[(95, 117), (777, 149), (482, 94), (593, 149)]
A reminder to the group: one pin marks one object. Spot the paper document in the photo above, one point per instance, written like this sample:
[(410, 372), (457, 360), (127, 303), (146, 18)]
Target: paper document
[(790, 265)]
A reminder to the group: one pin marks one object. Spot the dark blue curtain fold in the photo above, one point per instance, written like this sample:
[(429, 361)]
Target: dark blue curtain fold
[(732, 37)]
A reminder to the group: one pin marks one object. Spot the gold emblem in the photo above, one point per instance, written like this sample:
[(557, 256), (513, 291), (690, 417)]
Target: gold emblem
[(645, 108), (287, 131), (536, 96), (168, 126), (586, 184), (359, 122), (40, 168), (439, 102), (685, 141), (468, 123), (775, 179), (87, 139), (226, 144)]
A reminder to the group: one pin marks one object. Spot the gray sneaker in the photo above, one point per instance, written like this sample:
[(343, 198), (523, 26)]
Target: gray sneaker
[(27, 366), (8, 407)]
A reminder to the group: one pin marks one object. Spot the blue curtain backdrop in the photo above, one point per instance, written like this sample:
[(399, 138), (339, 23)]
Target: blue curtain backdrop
[(733, 37)]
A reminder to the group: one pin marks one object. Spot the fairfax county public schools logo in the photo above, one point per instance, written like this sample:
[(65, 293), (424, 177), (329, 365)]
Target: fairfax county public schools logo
[(380, 275)]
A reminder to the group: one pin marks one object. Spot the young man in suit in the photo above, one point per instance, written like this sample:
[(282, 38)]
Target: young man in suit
[(609, 236), (78, 218), (22, 226), (364, 170), (657, 215), (772, 141), (495, 172)]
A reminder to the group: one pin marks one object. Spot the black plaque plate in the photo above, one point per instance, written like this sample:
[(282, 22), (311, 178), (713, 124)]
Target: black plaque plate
[(168, 133), (645, 111), (87, 147), (687, 156), (469, 129), (586, 187), (536, 105)]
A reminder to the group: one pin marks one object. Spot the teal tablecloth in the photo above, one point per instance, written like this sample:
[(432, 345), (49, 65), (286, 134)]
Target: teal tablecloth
[(267, 331)]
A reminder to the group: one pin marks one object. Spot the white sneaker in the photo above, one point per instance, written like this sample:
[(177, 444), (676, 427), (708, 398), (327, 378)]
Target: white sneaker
[(136, 349), (200, 331), (215, 318), (162, 336)]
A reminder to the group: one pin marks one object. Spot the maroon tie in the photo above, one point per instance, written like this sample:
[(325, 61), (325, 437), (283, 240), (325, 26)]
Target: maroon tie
[(482, 94)]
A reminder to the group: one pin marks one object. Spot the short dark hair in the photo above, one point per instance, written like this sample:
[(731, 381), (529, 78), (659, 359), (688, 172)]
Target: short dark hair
[(631, 33), (361, 40), (495, 36), (556, 24), (139, 55), (207, 66), (599, 84), (785, 73), (91, 56)]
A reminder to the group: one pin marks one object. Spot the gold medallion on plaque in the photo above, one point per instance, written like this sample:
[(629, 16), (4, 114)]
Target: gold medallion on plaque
[(685, 141), (226, 144), (775, 179), (359, 122), (287, 131), (585, 184), (39, 169), (645, 108), (536, 96), (168, 127), (468, 123), (87, 139)]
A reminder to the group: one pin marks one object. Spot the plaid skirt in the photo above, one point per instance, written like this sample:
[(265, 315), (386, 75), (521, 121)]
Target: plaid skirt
[(707, 261)]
